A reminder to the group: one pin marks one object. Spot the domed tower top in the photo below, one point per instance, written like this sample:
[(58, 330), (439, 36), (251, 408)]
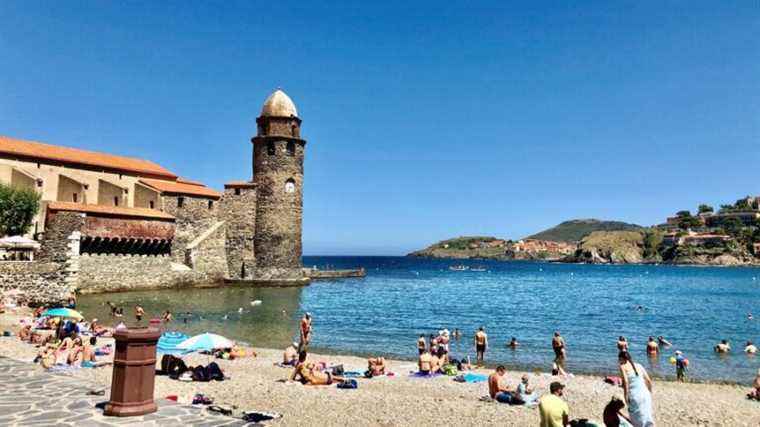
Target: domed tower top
[(279, 104)]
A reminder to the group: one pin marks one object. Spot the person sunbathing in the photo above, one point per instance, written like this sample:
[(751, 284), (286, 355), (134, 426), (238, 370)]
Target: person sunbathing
[(89, 360), (308, 374), (376, 366), (755, 392), (25, 333), (290, 355), (425, 363), (75, 352)]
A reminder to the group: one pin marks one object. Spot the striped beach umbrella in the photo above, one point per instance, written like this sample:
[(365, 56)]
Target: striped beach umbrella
[(168, 342)]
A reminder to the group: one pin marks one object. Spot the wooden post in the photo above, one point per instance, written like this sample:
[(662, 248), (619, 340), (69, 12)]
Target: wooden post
[(134, 373)]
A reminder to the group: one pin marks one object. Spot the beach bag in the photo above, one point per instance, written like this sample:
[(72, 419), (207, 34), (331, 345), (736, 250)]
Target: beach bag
[(166, 362), (348, 384), (449, 370), (214, 372), (199, 374), (255, 417), (338, 370)]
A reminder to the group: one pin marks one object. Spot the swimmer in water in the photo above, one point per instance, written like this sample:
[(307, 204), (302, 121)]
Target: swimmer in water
[(663, 342), (513, 344), (749, 316), (723, 347)]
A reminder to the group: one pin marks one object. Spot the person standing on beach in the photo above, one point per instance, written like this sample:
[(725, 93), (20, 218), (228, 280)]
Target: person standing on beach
[(637, 390), (481, 344), (305, 332), (553, 411), (680, 366), (558, 345)]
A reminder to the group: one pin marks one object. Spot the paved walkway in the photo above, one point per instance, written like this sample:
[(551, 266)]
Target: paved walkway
[(30, 396)]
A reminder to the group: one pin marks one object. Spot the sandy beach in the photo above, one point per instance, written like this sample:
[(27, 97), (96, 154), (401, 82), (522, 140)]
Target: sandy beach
[(257, 384)]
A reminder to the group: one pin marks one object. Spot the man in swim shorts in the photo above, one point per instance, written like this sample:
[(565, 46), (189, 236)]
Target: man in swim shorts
[(425, 363), (652, 347), (497, 390), (481, 344), (558, 345), (421, 344), (723, 347), (305, 332), (139, 313)]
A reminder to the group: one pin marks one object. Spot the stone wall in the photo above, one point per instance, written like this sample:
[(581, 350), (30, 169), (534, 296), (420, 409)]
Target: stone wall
[(238, 209), (196, 215), (206, 254), (115, 273), (278, 161), (36, 283)]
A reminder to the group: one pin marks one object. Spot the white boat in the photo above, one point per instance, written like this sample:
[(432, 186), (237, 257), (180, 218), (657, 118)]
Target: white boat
[(459, 268)]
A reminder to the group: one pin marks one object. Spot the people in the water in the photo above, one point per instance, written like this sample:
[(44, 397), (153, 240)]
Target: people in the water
[(652, 348), (481, 344), (622, 343), (513, 344), (663, 342), (560, 350), (723, 347), (750, 348)]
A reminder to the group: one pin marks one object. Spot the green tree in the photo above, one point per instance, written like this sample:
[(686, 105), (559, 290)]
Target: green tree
[(733, 226), (687, 222), (703, 208), (652, 242), (683, 214), (18, 206)]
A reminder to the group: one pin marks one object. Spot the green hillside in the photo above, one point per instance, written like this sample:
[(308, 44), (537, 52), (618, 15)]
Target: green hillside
[(576, 229)]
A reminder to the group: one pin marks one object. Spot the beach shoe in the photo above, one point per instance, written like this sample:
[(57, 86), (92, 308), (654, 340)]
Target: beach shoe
[(224, 410), (256, 416)]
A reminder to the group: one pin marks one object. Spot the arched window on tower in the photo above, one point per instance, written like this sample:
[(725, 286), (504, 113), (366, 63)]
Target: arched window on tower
[(290, 185), (270, 148), (293, 130), (291, 148)]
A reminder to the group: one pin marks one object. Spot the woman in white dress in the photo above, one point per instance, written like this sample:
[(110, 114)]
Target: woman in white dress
[(637, 389)]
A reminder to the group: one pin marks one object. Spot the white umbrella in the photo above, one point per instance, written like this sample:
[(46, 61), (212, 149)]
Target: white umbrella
[(205, 341)]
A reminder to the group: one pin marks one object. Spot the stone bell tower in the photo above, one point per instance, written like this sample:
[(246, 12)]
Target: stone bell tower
[(278, 152)]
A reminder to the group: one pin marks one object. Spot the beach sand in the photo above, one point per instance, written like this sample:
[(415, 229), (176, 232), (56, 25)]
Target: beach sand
[(256, 384)]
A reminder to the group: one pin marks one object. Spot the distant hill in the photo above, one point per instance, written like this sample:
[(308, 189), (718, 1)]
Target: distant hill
[(576, 229)]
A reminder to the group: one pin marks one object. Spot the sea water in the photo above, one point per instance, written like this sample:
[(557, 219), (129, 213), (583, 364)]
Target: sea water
[(401, 298)]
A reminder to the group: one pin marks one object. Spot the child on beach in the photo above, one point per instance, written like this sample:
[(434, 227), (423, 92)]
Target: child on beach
[(680, 366), (755, 392)]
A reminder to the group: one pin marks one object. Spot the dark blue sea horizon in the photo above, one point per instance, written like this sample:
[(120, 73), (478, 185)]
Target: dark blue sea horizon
[(403, 297)]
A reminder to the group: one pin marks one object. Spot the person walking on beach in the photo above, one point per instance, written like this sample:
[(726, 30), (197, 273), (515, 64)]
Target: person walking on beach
[(305, 332), (637, 390), (553, 411), (481, 344)]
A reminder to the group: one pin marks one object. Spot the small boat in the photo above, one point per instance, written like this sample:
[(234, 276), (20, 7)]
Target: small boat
[(459, 268), (478, 269)]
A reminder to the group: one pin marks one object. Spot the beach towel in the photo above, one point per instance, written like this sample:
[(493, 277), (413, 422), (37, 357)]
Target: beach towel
[(423, 376), (256, 416), (348, 384), (471, 378), (352, 374)]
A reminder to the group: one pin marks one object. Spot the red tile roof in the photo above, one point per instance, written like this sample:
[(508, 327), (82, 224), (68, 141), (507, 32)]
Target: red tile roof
[(38, 150), (175, 187), (109, 210), (190, 181)]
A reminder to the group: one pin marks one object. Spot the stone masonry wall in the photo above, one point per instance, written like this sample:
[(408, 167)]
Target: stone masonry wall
[(192, 219), (206, 255), (238, 209), (37, 282), (114, 273), (278, 212)]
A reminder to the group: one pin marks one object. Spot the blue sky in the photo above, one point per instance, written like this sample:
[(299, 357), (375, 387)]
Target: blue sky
[(424, 120)]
